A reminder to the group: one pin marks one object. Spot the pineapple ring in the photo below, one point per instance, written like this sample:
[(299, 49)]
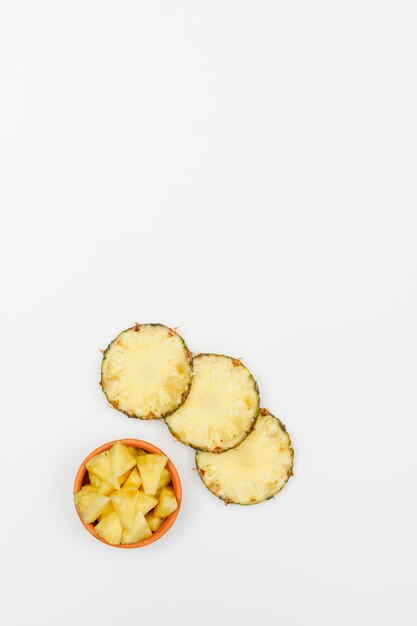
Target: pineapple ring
[(221, 407), (146, 371), (254, 471)]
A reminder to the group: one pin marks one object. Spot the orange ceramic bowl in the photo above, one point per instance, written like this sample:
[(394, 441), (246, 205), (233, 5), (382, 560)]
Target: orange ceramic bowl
[(82, 477)]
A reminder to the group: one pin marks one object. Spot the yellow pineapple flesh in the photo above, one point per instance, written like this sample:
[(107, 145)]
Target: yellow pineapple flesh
[(106, 511), (90, 503), (122, 459), (254, 471), (134, 481), (154, 522), (101, 466), (167, 503), (101, 486), (165, 478), (125, 504), (139, 530), (146, 371), (123, 478), (150, 467), (110, 528), (145, 503), (220, 409)]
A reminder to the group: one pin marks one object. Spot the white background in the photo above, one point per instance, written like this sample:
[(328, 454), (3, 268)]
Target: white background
[(247, 171)]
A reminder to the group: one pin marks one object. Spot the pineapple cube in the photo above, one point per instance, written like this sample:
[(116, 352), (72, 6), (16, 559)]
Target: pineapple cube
[(90, 503), (154, 522), (167, 503), (125, 504), (122, 459), (145, 503), (150, 467), (110, 528), (140, 530), (101, 466), (134, 481), (140, 452)]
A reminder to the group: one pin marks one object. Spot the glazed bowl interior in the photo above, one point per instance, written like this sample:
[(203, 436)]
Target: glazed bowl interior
[(83, 479)]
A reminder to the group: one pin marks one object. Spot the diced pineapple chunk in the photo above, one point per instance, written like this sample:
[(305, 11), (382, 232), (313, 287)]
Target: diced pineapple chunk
[(140, 530), (154, 522), (125, 505), (90, 503), (122, 459), (145, 503), (95, 481), (134, 481), (101, 466), (110, 528), (101, 486), (165, 478), (123, 478), (106, 511), (167, 502), (140, 452), (150, 468)]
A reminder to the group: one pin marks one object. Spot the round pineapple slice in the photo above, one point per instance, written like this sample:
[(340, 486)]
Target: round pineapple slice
[(221, 407), (254, 471), (146, 371)]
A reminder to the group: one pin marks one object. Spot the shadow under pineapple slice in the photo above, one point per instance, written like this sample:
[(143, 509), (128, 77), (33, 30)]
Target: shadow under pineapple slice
[(254, 471), (146, 371), (221, 407)]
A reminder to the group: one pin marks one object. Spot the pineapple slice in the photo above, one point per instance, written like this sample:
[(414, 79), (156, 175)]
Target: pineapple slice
[(134, 481), (90, 503), (110, 528), (150, 468), (221, 408), (154, 522), (101, 486), (139, 531), (167, 503), (146, 371), (254, 471), (101, 466), (145, 503), (165, 478), (125, 504), (122, 459)]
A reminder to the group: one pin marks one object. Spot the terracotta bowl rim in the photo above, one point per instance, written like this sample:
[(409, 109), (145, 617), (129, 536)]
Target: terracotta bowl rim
[(176, 483)]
